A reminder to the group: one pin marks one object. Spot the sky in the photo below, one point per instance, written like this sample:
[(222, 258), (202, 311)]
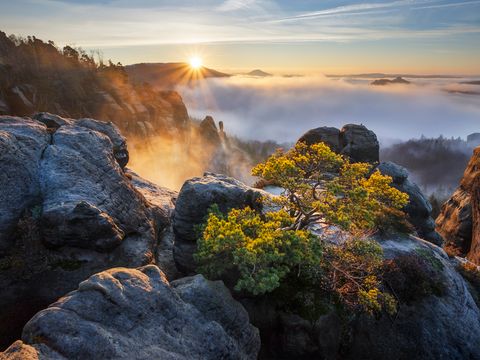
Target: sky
[(302, 36)]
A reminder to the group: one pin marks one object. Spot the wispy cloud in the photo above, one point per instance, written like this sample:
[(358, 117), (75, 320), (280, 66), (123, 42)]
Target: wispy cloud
[(124, 23), (441, 6), (232, 5), (344, 10)]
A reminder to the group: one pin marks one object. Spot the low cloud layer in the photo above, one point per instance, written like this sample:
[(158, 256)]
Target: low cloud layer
[(282, 109)]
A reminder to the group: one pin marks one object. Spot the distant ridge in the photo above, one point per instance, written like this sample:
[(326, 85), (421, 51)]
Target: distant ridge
[(475, 82), (259, 73), (168, 75), (397, 80), (382, 75)]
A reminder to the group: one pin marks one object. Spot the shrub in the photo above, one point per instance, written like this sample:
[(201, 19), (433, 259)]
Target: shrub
[(275, 251), (322, 185), (269, 256), (262, 250), (413, 277)]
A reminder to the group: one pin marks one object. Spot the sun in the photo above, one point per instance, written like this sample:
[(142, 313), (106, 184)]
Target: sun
[(195, 62)]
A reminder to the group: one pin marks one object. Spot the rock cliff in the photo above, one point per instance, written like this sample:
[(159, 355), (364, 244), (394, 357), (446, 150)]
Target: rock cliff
[(458, 221), (68, 210)]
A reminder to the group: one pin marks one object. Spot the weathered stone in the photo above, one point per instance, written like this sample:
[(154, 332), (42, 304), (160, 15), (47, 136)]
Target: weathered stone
[(136, 314), (209, 132), (458, 221), (418, 208), (359, 143), (435, 327), (442, 326), (68, 210), (328, 135), (355, 141), (195, 198)]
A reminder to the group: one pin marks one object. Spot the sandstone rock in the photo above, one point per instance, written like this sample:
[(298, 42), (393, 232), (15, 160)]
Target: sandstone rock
[(455, 222), (359, 143), (458, 220), (52, 121), (68, 210), (436, 327), (209, 132), (418, 208), (446, 326), (194, 200), (325, 134), (354, 141), (162, 204), (22, 142), (136, 314)]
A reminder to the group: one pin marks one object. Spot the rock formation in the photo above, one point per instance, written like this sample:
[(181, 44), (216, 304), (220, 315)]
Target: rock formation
[(194, 200), (397, 80), (431, 326), (325, 134), (427, 328), (458, 221), (137, 314), (418, 208), (68, 210), (354, 141)]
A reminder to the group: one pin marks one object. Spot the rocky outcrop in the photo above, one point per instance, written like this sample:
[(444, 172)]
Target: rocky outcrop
[(68, 210), (418, 209), (433, 326), (137, 314), (355, 141), (325, 134), (208, 131), (194, 200), (458, 221), (441, 326), (397, 80), (359, 143)]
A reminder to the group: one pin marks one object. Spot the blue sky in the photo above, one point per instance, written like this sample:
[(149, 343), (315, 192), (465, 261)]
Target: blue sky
[(292, 36)]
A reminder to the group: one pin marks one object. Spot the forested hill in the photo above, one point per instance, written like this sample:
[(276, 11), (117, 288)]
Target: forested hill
[(39, 76)]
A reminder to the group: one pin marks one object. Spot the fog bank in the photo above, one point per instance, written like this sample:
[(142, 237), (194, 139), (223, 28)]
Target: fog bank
[(282, 108)]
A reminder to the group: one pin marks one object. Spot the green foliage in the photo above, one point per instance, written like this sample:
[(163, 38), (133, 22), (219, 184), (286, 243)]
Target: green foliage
[(274, 252), (260, 249), (268, 255), (320, 184)]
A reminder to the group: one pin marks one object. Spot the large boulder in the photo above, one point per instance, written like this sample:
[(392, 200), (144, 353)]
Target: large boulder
[(458, 221), (442, 325), (436, 326), (325, 134), (359, 143), (355, 141), (137, 314), (418, 209), (194, 200), (68, 210)]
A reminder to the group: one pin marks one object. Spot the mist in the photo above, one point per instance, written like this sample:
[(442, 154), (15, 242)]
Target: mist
[(283, 108)]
